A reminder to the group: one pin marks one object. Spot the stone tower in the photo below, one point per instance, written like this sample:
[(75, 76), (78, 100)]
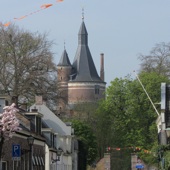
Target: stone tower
[(80, 81)]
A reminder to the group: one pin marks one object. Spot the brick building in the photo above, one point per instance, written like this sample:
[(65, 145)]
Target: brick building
[(79, 82)]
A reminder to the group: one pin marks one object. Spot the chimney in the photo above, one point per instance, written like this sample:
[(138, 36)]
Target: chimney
[(15, 100), (102, 66), (38, 100)]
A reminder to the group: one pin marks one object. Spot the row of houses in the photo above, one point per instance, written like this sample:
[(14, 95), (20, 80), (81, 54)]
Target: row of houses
[(78, 82), (54, 144)]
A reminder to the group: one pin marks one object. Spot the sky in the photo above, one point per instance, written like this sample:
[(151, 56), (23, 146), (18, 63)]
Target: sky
[(121, 29)]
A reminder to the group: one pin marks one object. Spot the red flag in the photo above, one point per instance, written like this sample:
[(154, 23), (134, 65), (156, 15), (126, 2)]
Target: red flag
[(46, 6)]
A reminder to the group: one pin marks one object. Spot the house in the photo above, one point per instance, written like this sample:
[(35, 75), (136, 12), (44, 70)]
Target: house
[(17, 153), (59, 137)]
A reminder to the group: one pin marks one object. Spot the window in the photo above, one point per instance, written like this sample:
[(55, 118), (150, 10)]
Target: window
[(97, 89), (38, 125), (4, 165)]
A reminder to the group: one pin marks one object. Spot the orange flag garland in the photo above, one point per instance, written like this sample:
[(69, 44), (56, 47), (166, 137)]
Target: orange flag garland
[(6, 24), (44, 6), (134, 148)]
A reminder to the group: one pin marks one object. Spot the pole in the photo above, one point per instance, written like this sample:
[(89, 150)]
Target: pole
[(147, 94), (0, 163), (1, 145), (30, 158)]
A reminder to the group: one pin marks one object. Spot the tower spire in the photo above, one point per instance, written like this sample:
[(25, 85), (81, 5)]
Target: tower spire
[(82, 14), (64, 45)]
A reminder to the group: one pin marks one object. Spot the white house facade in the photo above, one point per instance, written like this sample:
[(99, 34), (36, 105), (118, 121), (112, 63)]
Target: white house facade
[(59, 136)]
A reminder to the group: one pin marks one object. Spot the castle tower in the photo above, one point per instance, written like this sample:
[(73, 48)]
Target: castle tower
[(79, 83), (85, 84), (64, 69)]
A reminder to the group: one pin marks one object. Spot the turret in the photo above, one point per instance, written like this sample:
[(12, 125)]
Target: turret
[(64, 68)]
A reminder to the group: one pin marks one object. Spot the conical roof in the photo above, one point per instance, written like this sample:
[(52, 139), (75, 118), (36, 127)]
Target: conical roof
[(64, 60), (83, 62)]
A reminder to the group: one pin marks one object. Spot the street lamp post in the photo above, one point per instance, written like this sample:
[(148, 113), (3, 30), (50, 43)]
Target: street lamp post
[(30, 141), (59, 151), (0, 153)]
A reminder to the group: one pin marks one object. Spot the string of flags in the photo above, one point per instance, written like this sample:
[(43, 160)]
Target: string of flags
[(132, 147), (42, 7)]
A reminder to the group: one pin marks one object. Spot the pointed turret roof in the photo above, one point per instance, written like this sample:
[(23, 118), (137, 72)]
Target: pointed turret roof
[(64, 60), (83, 63)]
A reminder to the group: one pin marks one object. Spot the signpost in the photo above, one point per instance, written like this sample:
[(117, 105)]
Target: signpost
[(139, 166), (16, 152)]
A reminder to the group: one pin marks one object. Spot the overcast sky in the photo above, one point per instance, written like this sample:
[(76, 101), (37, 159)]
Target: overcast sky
[(121, 29)]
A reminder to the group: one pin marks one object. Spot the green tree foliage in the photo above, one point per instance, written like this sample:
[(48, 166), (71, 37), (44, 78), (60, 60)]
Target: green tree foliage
[(127, 118), (87, 143)]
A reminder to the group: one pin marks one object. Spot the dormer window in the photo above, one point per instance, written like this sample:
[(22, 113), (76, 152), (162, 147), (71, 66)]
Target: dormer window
[(97, 89), (35, 121)]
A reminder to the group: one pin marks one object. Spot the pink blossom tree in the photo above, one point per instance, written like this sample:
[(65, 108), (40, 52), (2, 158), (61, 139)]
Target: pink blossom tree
[(9, 124)]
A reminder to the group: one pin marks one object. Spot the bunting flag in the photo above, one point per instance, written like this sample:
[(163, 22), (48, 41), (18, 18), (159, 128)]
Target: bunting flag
[(46, 6), (132, 147), (6, 24), (42, 7)]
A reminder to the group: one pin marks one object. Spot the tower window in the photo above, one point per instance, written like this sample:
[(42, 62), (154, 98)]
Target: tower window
[(97, 89)]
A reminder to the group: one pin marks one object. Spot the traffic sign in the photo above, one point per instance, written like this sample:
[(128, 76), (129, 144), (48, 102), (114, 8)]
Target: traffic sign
[(139, 166), (16, 152)]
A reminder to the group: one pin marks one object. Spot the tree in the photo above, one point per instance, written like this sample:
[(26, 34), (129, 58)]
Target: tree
[(87, 143), (103, 127), (9, 124), (127, 118), (158, 60), (26, 64)]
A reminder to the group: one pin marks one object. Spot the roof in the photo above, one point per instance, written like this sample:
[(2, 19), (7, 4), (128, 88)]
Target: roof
[(64, 60), (52, 121), (83, 63)]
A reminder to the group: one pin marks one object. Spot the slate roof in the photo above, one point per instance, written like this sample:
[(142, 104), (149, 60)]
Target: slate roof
[(64, 60), (52, 121), (83, 63)]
